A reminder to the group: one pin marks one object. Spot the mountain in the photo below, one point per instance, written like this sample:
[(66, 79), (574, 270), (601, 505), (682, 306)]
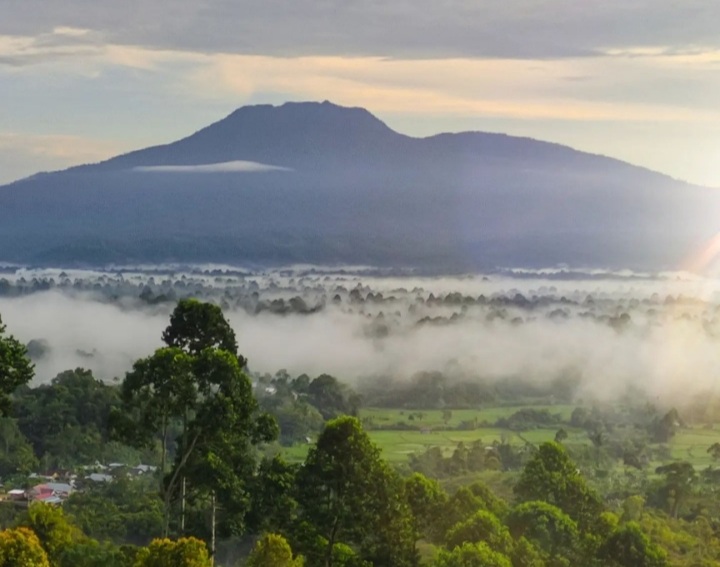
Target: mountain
[(320, 183)]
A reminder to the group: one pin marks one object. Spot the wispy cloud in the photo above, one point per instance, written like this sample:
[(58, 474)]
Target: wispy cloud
[(633, 80), (237, 166), (403, 28)]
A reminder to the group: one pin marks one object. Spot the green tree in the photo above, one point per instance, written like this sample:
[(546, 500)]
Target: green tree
[(218, 453), (91, 553), (195, 326), (16, 453), (629, 547), (273, 550), (463, 504), (15, 368), (20, 547), (159, 390), (185, 552), (122, 511), (331, 398), (551, 476), (198, 383), (633, 507), (273, 504), (66, 421), (346, 493), (427, 500), (482, 526), (54, 530), (679, 480), (525, 554), (714, 451), (471, 555), (548, 528)]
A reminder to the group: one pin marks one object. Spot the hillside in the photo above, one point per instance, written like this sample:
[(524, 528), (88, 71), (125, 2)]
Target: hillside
[(336, 185)]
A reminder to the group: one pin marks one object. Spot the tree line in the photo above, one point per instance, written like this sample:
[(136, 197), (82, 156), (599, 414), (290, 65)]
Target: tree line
[(191, 406)]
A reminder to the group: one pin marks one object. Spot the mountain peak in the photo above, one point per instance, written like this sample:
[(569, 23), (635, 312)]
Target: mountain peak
[(294, 134), (328, 183), (309, 114)]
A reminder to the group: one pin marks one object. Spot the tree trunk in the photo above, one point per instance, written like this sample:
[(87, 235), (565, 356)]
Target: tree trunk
[(163, 464), (331, 542)]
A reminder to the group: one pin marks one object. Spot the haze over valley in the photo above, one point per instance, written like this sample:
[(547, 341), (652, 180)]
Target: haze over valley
[(604, 334)]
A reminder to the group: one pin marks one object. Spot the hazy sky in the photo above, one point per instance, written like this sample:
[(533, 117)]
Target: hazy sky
[(81, 80)]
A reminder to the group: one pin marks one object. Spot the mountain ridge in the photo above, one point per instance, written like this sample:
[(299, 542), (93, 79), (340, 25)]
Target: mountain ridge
[(475, 135), (355, 191)]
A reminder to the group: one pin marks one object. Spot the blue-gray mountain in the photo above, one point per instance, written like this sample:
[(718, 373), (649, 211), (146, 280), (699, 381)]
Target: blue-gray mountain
[(351, 190)]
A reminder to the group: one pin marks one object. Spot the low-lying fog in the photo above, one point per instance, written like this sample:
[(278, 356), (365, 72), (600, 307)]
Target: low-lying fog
[(614, 331)]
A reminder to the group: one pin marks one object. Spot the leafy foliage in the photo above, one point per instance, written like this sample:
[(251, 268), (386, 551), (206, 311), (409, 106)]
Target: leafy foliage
[(15, 368), (20, 547), (273, 550), (185, 552)]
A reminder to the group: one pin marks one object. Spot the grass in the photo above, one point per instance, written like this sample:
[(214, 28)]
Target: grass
[(433, 430), (383, 417), (692, 444)]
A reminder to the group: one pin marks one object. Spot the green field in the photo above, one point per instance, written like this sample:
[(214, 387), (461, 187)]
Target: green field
[(433, 429), (381, 417), (692, 445)]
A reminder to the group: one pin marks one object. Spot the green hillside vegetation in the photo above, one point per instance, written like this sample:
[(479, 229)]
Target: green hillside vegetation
[(272, 471)]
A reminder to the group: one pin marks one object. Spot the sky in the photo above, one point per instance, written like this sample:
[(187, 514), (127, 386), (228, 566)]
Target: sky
[(82, 80)]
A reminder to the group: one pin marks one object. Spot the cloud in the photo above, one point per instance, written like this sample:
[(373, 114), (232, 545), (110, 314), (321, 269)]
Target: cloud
[(610, 85), (635, 80), (237, 166), (60, 43), (402, 28)]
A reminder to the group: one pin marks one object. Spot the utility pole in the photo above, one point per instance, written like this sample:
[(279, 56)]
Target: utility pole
[(182, 509), (212, 540)]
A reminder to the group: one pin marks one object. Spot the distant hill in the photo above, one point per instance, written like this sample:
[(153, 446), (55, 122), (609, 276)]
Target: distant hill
[(320, 183)]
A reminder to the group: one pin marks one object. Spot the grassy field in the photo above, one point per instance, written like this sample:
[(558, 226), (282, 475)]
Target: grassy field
[(692, 445), (434, 431), (381, 417)]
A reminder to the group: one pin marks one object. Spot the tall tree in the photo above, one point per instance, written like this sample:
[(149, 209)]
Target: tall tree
[(548, 528), (158, 390), (426, 500), (482, 526), (679, 480), (195, 326), (629, 547), (197, 386), (551, 476), (347, 494), (217, 454), (15, 368)]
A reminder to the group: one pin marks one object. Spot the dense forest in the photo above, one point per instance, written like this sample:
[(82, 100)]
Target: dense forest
[(190, 459)]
